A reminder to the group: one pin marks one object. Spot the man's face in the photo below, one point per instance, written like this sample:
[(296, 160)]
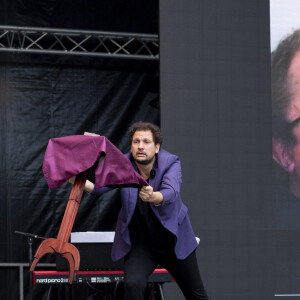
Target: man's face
[(143, 148), (294, 88), (294, 109)]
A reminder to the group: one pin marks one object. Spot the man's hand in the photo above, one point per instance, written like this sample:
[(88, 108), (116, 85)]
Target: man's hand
[(147, 195), (91, 134)]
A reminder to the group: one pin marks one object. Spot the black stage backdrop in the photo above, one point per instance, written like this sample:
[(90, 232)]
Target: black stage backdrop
[(43, 97)]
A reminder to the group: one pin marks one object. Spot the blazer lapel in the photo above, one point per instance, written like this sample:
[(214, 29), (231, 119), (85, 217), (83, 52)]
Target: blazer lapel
[(131, 201)]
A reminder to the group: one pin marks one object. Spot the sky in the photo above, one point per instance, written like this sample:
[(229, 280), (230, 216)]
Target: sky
[(284, 18)]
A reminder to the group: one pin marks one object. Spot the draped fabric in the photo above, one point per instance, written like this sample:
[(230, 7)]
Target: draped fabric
[(71, 155)]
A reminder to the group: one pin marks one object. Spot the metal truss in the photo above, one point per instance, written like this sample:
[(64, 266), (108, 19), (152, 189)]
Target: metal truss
[(79, 42)]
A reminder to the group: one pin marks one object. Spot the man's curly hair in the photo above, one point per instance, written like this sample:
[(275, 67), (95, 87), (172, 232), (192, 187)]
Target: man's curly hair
[(145, 126)]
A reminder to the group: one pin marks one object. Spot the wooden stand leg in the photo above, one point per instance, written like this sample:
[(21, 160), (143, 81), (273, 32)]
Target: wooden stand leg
[(60, 245)]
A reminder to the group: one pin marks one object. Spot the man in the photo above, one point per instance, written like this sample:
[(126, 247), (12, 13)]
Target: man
[(286, 144), (286, 131), (286, 108), (153, 226)]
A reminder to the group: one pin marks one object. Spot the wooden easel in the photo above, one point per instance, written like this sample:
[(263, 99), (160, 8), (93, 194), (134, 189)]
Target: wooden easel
[(60, 246)]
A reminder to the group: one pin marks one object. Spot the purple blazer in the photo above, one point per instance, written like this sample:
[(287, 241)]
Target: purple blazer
[(172, 213)]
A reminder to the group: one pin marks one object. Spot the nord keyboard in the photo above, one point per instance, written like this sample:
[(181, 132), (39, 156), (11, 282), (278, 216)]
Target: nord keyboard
[(104, 276)]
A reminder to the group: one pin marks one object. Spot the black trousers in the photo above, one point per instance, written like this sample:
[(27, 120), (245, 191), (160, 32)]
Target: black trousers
[(141, 262)]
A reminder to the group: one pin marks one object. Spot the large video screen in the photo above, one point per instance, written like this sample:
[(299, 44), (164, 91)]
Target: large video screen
[(285, 82)]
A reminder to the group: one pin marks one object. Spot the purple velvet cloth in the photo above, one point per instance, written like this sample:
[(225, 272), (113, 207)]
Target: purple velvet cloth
[(71, 155)]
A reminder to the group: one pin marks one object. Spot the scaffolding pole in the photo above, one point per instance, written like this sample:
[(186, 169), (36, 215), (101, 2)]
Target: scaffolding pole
[(79, 42)]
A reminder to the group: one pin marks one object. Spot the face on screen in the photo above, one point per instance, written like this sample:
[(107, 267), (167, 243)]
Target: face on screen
[(293, 113), (295, 150), (294, 88), (287, 155)]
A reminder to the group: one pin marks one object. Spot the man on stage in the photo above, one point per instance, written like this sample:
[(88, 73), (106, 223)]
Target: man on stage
[(153, 226)]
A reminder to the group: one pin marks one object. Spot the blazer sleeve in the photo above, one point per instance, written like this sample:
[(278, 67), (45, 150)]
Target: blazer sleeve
[(171, 181)]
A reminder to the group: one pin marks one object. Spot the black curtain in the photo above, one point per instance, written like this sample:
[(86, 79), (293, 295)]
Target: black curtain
[(43, 97)]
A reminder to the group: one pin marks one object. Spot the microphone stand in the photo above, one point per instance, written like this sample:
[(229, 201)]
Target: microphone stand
[(30, 239)]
